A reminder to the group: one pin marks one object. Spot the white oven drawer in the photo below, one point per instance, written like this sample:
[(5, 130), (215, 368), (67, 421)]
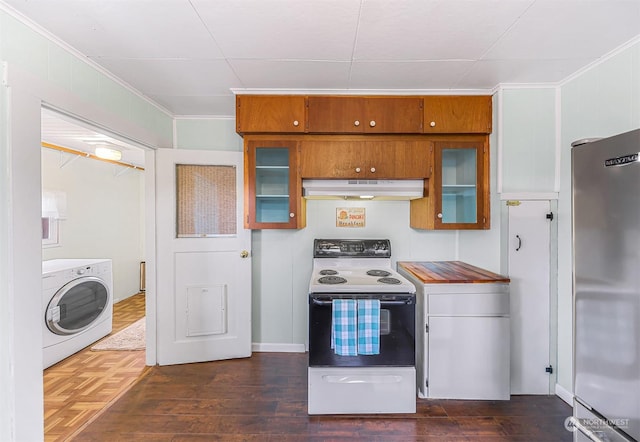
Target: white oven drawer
[(353, 390)]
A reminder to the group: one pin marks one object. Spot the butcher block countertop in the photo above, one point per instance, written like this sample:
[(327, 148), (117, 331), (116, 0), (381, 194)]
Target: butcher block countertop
[(448, 272)]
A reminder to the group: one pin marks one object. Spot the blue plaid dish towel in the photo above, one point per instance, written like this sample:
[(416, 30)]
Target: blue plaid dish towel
[(368, 326), (343, 328)]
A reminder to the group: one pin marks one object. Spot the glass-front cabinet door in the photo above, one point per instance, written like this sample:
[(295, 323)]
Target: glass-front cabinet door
[(272, 187), (461, 185)]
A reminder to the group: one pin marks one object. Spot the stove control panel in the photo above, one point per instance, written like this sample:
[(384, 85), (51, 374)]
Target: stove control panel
[(359, 248)]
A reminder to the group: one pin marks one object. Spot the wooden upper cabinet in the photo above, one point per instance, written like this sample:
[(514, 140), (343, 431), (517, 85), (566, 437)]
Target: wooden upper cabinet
[(272, 185), (270, 113), (361, 114), (457, 114), (372, 159), (459, 190), (349, 114)]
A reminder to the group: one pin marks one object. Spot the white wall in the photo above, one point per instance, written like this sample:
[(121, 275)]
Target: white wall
[(104, 217)]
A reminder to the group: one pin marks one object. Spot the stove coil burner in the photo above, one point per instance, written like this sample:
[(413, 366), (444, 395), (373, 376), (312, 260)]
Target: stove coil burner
[(378, 273), (328, 272), (332, 280), (389, 280)]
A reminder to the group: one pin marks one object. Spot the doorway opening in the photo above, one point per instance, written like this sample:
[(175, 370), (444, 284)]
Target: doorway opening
[(97, 211)]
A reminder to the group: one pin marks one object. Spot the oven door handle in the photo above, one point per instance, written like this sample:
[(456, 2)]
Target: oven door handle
[(382, 303)]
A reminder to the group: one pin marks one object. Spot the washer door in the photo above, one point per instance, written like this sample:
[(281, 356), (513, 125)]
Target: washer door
[(77, 305)]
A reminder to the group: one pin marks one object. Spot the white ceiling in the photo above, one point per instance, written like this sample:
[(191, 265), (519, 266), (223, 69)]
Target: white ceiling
[(188, 55)]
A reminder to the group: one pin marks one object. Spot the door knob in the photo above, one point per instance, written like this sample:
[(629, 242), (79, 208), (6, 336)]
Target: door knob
[(358, 170), (372, 123), (356, 123), (373, 169), (244, 254), (296, 123)]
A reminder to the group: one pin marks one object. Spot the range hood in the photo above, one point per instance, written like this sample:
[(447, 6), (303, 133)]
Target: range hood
[(363, 189)]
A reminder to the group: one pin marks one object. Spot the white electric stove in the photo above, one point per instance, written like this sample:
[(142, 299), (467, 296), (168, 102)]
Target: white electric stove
[(364, 383)]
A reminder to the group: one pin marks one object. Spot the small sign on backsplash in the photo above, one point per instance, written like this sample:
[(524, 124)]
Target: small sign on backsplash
[(350, 217)]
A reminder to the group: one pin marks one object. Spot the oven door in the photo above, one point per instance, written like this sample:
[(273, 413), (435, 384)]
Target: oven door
[(397, 332)]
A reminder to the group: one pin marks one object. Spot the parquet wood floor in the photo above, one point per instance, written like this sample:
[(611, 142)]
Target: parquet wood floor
[(80, 386), (264, 398)]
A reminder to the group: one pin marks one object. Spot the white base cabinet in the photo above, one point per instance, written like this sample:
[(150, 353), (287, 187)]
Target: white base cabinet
[(463, 341), (468, 358)]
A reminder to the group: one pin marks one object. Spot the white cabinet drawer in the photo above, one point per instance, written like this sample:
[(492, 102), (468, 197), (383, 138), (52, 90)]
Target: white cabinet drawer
[(468, 304)]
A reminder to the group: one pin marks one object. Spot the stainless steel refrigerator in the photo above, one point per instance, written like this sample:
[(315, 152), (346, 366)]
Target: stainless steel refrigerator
[(606, 284)]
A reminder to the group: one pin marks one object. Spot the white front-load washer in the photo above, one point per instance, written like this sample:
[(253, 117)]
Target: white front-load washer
[(77, 305)]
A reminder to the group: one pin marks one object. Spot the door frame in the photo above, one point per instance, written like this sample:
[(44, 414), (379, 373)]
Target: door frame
[(151, 303)]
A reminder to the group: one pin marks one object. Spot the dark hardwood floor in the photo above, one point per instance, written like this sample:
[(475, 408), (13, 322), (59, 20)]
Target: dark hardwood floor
[(263, 398)]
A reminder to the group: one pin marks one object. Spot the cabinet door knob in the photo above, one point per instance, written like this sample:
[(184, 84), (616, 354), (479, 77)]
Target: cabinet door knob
[(244, 254), (356, 123), (432, 124), (358, 170), (291, 215), (372, 123), (373, 169), (296, 123), (440, 215)]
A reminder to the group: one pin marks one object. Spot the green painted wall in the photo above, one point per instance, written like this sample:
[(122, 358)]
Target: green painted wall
[(528, 140), (207, 134)]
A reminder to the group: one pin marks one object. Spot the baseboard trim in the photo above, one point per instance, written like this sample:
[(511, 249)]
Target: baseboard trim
[(277, 348), (564, 394)]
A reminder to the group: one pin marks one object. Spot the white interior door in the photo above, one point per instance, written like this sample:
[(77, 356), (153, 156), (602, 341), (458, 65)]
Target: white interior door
[(529, 261), (203, 271)]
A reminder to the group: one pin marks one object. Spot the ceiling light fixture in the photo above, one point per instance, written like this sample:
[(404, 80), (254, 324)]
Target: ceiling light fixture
[(108, 153)]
